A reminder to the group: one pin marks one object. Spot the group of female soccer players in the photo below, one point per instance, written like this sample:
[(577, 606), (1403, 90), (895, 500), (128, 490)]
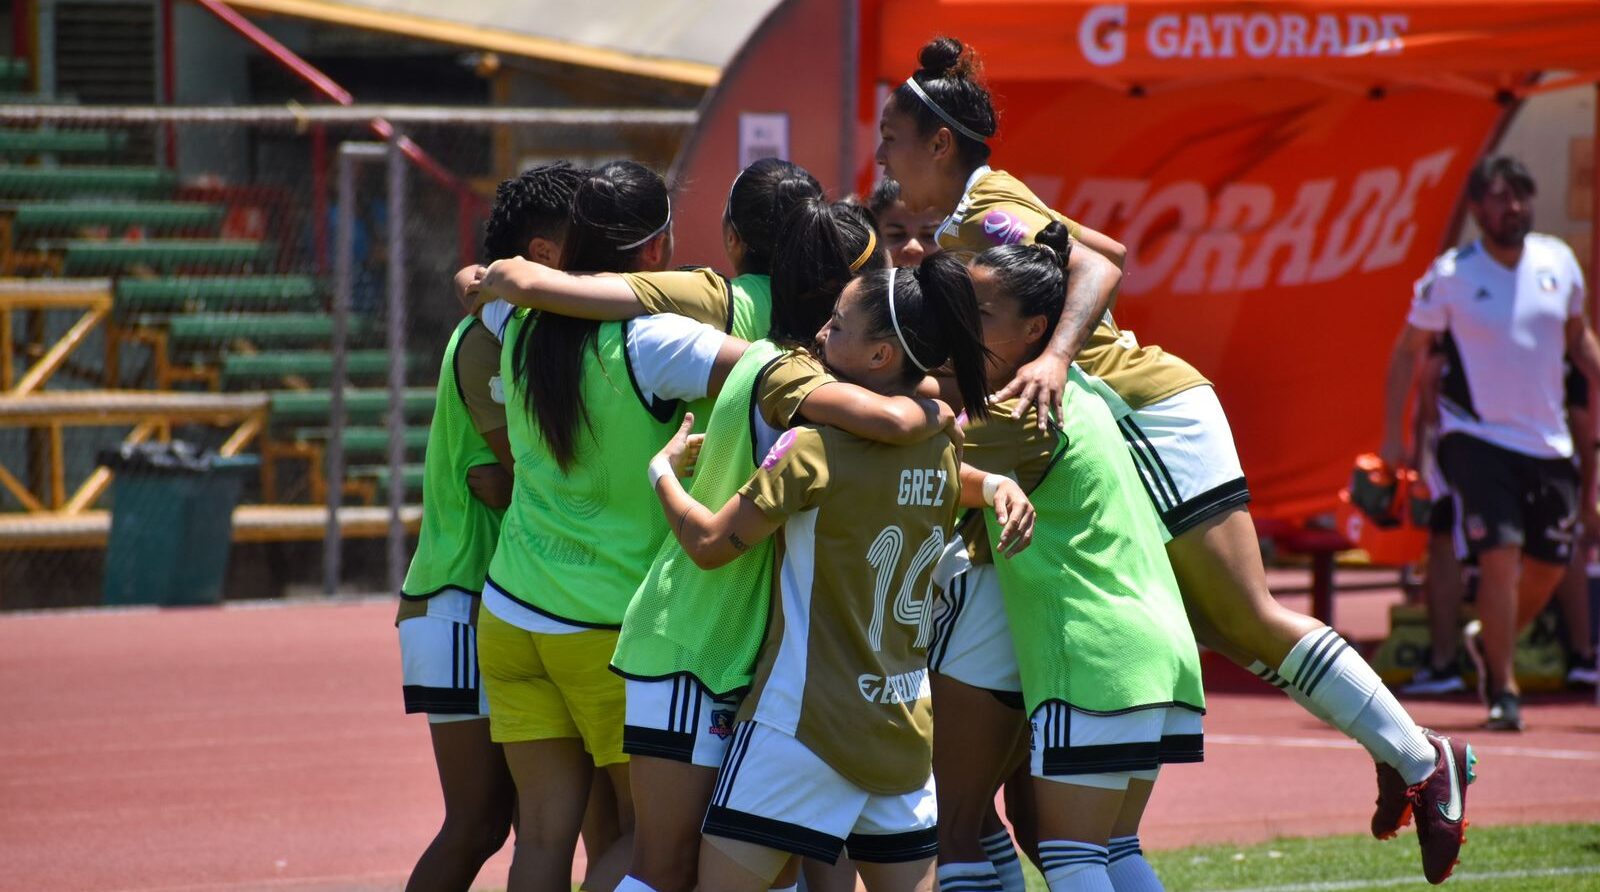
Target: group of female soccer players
[(711, 554)]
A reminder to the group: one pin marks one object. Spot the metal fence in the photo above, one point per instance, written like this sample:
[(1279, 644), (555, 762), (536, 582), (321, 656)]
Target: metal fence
[(210, 275)]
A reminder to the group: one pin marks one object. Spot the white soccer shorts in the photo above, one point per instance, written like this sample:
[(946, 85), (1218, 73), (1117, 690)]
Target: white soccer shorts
[(773, 791), (1076, 747), (677, 718), (971, 635), (1183, 448), (439, 661)]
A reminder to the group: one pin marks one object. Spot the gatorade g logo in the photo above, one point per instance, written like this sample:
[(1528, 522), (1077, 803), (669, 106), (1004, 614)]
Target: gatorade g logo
[(1003, 228), (1102, 35), (779, 450)]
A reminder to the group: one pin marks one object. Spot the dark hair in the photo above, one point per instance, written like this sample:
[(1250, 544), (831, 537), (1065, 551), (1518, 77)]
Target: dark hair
[(533, 204), (952, 77), (1483, 173), (1035, 276), (884, 195), (938, 322), (615, 210), (761, 198), (816, 246)]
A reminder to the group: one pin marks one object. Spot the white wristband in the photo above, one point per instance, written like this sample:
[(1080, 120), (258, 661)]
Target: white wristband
[(991, 484), (659, 467)]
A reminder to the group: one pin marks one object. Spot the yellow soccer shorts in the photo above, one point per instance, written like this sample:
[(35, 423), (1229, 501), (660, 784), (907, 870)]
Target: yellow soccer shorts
[(545, 686)]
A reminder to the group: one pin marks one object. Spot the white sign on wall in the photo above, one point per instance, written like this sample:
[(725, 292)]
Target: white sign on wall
[(762, 135)]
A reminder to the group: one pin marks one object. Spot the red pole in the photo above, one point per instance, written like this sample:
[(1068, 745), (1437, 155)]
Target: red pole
[(319, 197), (21, 29), (327, 87), (466, 231), (169, 78)]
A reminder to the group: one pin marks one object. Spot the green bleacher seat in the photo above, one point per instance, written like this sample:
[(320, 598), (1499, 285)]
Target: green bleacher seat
[(217, 293), (360, 440), (275, 328), (90, 257), (21, 97), (308, 364), (158, 216), (100, 182), (361, 404), (412, 474), (13, 74), (23, 143)]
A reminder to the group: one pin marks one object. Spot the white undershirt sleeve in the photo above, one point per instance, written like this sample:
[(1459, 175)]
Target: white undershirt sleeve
[(672, 356), (495, 315)]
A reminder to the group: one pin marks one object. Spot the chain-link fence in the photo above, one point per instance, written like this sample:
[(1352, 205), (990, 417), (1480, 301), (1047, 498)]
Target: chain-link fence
[(170, 274)]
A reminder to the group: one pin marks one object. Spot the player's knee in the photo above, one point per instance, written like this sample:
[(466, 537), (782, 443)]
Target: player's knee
[(476, 838)]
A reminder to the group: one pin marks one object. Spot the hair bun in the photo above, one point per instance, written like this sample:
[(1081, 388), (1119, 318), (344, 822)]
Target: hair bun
[(946, 57), (1057, 239)]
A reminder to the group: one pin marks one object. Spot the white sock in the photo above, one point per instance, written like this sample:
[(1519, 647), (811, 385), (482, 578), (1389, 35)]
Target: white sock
[(1075, 866), (1264, 672), (968, 876), (1128, 870), (1327, 671), (1002, 854), (631, 883)]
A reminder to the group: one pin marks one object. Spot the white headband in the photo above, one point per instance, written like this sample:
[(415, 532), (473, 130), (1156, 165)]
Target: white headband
[(894, 319), (945, 116), (659, 229)]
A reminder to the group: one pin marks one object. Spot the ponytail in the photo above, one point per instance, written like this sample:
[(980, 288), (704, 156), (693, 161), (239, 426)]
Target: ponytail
[(616, 211), (932, 315), (760, 200), (1035, 276), (820, 248)]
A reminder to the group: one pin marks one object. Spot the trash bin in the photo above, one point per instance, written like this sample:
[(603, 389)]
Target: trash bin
[(171, 522)]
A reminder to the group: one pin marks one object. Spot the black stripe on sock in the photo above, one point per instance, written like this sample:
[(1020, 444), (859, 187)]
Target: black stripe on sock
[(1333, 657), (1312, 658)]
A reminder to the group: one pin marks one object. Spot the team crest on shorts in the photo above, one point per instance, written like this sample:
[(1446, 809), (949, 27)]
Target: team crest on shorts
[(721, 723), (1475, 527)]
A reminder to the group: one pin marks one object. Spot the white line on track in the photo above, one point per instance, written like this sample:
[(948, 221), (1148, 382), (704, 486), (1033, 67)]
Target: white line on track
[(1396, 882), (1328, 743)]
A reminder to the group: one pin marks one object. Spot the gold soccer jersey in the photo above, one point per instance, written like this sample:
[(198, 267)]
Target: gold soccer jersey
[(844, 667), (998, 209)]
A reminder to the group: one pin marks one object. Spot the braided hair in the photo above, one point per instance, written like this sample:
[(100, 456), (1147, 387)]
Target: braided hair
[(533, 204)]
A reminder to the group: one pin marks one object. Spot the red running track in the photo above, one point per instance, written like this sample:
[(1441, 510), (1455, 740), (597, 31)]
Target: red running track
[(264, 747)]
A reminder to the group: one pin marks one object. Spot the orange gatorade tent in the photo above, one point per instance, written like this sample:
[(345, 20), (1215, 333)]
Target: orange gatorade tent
[(1281, 172)]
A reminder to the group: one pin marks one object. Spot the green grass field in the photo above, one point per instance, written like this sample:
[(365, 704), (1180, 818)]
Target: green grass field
[(1539, 858)]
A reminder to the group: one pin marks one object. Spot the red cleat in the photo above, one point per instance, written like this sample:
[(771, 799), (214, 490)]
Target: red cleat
[(1394, 805), (1439, 806)]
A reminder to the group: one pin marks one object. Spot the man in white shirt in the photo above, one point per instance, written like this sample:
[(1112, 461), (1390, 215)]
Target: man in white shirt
[(1504, 309)]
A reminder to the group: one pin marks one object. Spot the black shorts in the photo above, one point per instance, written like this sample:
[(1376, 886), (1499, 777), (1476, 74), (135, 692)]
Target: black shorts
[(1509, 498), (1442, 516)]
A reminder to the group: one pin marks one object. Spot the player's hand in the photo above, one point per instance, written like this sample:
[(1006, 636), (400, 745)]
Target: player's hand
[(497, 281), (491, 485), (1039, 383), (1590, 519), (1014, 513), (683, 450), (466, 284)]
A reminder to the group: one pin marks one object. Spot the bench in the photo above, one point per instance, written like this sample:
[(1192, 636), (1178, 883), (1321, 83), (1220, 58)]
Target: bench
[(1322, 546), (362, 407), (310, 364), (251, 523), (79, 257), (27, 143), (365, 440), (34, 217), (99, 182), (214, 293), (148, 413)]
